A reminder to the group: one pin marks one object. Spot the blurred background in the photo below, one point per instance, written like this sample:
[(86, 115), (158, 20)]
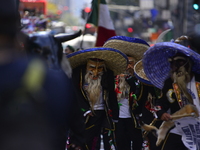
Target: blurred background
[(145, 19)]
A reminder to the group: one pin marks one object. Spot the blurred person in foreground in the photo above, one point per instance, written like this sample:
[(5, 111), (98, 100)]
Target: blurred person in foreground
[(34, 113), (93, 76), (174, 68), (49, 48)]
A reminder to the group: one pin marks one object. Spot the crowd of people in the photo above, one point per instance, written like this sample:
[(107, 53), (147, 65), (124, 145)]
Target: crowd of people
[(33, 23), (123, 93)]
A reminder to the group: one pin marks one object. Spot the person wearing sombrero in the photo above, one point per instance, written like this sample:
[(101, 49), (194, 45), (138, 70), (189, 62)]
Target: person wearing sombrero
[(130, 93), (93, 76), (150, 94), (175, 69)]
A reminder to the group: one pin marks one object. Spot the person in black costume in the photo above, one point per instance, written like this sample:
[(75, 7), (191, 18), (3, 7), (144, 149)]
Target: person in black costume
[(93, 76), (179, 81), (129, 92)]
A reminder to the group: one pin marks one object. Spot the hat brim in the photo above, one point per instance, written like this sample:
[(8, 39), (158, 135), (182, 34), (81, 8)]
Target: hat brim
[(133, 47), (156, 65), (114, 59), (140, 74)]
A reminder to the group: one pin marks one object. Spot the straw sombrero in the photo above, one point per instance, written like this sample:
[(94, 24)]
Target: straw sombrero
[(156, 65), (133, 47), (114, 59), (139, 73)]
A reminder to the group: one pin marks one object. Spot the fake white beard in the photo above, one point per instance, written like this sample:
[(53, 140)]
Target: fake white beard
[(182, 77), (93, 89), (124, 88)]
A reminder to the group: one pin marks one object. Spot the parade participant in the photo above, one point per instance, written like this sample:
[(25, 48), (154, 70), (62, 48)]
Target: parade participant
[(93, 76), (150, 96), (34, 113), (129, 91), (174, 68)]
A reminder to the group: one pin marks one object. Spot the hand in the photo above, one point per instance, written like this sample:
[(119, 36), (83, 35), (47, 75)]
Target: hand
[(90, 114), (166, 117)]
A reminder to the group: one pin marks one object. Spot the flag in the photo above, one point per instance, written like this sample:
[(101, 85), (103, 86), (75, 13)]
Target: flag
[(189, 129), (100, 17)]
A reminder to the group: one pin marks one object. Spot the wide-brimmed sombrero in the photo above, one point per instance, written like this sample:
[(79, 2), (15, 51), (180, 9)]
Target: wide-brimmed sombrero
[(156, 65), (114, 59), (133, 47), (140, 74)]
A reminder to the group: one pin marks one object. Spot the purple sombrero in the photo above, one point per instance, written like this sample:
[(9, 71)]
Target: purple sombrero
[(156, 65), (114, 59), (133, 47)]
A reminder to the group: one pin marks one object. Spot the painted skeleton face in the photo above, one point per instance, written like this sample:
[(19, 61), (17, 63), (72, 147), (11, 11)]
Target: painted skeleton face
[(95, 68)]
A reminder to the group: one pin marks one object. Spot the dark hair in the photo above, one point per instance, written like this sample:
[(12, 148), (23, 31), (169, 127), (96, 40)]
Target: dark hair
[(191, 41), (9, 17), (71, 48), (194, 42)]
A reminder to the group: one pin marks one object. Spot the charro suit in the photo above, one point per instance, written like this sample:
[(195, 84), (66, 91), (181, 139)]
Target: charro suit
[(170, 102), (102, 118)]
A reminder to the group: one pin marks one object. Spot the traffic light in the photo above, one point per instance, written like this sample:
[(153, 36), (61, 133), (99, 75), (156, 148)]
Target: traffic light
[(87, 9), (130, 30), (196, 5), (85, 12), (88, 25)]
